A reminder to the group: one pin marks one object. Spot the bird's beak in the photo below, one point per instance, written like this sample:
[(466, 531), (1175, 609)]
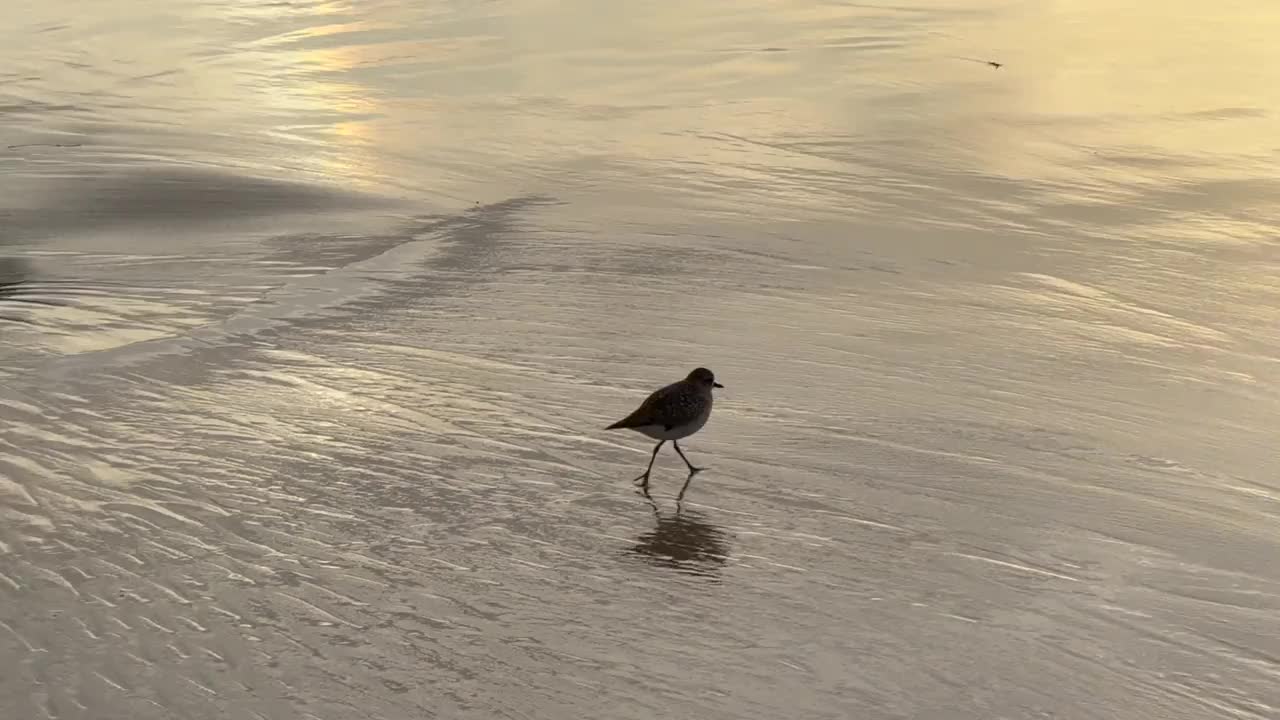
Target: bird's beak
[(716, 384)]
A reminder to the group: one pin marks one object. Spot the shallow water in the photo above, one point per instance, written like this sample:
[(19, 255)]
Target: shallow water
[(311, 314)]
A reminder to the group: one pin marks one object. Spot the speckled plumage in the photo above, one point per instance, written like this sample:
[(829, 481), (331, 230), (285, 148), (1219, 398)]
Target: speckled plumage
[(674, 406), (673, 412)]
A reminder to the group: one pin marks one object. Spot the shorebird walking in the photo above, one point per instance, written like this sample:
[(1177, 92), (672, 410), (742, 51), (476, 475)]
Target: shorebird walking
[(676, 411)]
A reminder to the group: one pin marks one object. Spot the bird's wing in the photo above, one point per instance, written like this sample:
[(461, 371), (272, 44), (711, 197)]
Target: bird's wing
[(673, 405), (662, 403)]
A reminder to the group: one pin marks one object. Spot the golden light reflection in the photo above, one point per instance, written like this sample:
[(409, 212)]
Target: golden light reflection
[(310, 91), (1091, 96), (1161, 83), (338, 83)]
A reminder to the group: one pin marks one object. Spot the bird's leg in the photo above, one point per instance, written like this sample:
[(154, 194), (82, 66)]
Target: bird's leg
[(643, 480), (692, 469)]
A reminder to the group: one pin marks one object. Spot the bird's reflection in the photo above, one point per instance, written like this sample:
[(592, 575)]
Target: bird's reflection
[(684, 541)]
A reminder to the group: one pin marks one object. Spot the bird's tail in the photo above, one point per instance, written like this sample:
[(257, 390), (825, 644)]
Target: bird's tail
[(633, 420), (639, 418)]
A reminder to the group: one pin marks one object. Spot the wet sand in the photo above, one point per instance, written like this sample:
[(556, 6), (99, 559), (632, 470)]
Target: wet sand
[(311, 316)]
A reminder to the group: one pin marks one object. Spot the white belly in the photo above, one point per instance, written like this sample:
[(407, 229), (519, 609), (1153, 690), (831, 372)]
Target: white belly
[(659, 432)]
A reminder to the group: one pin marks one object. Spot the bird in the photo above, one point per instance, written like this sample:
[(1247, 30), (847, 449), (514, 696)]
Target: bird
[(671, 413)]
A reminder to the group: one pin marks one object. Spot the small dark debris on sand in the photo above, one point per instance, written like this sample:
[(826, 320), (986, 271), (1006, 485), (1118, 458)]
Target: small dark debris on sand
[(57, 145), (992, 63)]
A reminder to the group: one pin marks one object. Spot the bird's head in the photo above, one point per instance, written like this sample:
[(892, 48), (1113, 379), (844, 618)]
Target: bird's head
[(703, 377)]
